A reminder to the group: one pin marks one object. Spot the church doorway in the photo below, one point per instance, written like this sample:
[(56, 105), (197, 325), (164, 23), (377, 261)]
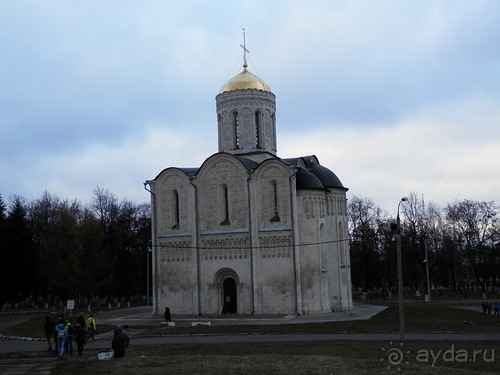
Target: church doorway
[(226, 283), (229, 296)]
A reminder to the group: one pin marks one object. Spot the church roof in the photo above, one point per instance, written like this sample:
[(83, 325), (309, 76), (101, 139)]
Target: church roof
[(326, 176), (245, 81), (310, 173), (310, 163), (248, 164), (308, 180), (190, 171), (187, 171)]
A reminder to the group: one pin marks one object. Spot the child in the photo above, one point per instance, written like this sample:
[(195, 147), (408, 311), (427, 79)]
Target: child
[(91, 327)]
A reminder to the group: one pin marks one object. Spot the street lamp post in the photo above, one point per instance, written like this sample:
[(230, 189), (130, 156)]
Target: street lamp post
[(400, 276), (428, 297)]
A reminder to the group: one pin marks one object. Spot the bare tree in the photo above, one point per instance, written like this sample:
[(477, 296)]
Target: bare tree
[(364, 220), (474, 229), (414, 230)]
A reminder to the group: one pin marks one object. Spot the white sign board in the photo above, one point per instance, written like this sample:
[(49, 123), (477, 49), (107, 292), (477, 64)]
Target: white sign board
[(70, 304)]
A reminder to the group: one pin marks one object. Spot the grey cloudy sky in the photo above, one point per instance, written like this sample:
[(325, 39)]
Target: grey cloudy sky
[(395, 96)]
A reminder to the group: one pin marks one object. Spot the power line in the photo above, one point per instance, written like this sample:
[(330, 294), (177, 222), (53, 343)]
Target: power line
[(246, 247), (84, 237)]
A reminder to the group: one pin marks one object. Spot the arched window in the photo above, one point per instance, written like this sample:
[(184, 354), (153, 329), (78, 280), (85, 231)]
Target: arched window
[(275, 204), (175, 209), (258, 137), (273, 118), (225, 206), (236, 126)]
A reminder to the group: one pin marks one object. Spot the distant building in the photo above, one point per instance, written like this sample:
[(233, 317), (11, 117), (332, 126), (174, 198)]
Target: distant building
[(248, 232)]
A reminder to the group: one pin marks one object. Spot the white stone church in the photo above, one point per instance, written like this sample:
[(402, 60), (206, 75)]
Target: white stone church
[(248, 232)]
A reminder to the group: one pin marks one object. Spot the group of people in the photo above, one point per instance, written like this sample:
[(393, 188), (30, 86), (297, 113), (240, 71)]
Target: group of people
[(63, 333), (489, 307)]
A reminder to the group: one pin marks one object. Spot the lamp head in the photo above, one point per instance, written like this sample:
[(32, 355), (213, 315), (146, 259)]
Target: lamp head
[(404, 199)]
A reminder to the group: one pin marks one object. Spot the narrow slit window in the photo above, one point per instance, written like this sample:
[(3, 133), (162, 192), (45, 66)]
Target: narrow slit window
[(236, 125), (273, 118), (225, 206), (257, 130), (175, 209), (276, 216)]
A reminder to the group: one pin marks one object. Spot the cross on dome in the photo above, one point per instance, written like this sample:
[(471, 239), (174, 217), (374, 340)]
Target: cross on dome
[(245, 80), (245, 50)]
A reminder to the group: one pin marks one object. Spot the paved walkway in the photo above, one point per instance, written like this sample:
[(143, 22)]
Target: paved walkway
[(31, 366), (142, 315)]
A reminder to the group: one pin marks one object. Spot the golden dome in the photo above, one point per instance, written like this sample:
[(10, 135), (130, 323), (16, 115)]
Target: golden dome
[(245, 81)]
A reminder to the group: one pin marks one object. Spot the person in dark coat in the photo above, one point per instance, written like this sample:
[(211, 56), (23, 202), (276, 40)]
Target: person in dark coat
[(49, 331), (120, 342), (81, 320), (80, 337), (168, 318), (70, 330)]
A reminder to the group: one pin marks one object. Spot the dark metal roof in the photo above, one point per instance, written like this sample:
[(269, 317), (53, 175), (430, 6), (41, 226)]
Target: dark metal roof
[(306, 160), (190, 171), (247, 163), (187, 171), (310, 174), (326, 176), (291, 161), (307, 180)]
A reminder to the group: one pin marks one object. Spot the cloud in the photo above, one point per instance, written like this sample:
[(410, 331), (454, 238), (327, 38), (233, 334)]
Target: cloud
[(394, 96), (441, 153), (121, 168)]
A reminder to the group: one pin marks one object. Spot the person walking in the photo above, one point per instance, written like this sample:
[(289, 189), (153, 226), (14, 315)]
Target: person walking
[(80, 338), (91, 327), (120, 342), (70, 330), (61, 336), (49, 331), (81, 320)]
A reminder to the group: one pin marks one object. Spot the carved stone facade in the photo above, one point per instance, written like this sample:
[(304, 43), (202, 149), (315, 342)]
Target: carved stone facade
[(248, 232)]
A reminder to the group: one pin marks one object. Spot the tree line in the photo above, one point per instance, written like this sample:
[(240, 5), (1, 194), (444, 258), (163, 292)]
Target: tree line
[(55, 247), (459, 243)]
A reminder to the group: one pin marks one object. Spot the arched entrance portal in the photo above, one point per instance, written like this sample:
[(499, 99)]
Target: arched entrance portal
[(227, 283), (229, 296)]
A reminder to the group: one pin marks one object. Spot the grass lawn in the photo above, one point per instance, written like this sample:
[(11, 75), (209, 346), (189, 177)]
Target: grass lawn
[(289, 358), (419, 317), (295, 358)]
